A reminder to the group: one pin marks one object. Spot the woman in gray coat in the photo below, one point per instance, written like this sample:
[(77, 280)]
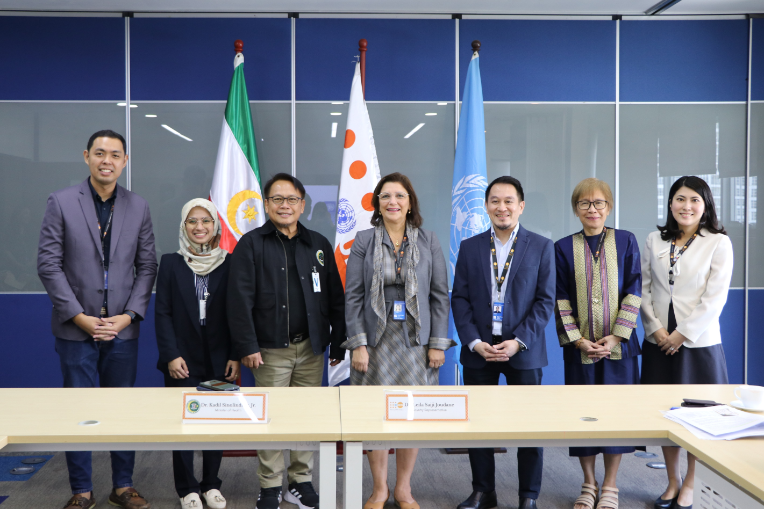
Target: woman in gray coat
[(396, 308)]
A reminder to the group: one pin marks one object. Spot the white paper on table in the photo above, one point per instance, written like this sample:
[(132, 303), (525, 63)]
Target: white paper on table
[(718, 421)]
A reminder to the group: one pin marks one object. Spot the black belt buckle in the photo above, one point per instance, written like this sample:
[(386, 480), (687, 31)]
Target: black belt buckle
[(496, 340), (298, 338)]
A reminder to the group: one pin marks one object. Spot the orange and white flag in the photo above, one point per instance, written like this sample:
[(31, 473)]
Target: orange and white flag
[(360, 174)]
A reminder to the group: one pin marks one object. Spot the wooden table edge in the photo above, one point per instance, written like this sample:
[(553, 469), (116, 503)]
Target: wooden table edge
[(3, 442), (159, 439), (721, 468)]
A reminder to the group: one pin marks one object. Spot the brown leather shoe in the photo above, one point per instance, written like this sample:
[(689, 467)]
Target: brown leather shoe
[(81, 502), (129, 499)]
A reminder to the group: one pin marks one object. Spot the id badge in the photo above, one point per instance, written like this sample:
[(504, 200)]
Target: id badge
[(316, 283), (498, 311), (399, 310), (202, 310)]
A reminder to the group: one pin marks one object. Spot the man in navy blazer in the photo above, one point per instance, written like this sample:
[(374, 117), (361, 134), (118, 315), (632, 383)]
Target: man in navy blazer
[(97, 261), (502, 299)]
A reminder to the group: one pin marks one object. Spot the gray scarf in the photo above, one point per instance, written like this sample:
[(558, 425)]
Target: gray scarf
[(378, 282)]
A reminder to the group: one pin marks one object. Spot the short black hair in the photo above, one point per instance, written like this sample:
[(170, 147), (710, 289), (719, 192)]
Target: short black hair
[(708, 220), (107, 133), (283, 176), (506, 179)]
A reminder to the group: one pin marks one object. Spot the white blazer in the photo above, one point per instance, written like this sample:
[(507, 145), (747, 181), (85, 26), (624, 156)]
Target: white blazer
[(701, 282)]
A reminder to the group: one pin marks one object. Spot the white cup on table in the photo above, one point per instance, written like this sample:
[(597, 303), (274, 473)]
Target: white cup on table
[(752, 396)]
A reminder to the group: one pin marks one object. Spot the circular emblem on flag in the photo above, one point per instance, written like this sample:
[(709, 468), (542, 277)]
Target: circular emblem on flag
[(320, 256), (468, 216), (248, 214), (193, 406), (345, 216)]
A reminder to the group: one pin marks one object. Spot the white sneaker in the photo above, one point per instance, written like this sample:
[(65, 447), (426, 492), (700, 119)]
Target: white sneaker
[(214, 499), (191, 501)]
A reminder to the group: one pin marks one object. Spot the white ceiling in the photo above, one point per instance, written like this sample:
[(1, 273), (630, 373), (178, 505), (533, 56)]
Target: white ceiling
[(539, 7)]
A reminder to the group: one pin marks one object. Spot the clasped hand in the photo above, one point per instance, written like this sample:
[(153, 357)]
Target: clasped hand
[(669, 343), (599, 349), (102, 329), (497, 353)]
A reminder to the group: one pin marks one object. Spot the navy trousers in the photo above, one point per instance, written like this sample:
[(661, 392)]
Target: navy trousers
[(530, 460)]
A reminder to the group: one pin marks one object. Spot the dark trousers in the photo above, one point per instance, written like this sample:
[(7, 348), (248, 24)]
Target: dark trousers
[(183, 461), (530, 460), (114, 364)]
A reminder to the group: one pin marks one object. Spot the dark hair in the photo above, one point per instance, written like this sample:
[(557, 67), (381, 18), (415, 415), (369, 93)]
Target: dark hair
[(708, 220), (414, 218), (107, 133), (283, 176), (506, 179)]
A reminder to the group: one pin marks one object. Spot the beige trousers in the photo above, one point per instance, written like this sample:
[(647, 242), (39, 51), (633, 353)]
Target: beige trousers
[(295, 366)]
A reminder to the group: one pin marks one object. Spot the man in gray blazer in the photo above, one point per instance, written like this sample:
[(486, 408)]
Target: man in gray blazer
[(97, 261)]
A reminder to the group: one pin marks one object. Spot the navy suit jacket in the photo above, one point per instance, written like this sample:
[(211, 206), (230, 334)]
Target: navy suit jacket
[(528, 300)]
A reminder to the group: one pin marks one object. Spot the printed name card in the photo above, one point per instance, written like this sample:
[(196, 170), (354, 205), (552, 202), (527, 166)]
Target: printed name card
[(225, 407), (426, 406)]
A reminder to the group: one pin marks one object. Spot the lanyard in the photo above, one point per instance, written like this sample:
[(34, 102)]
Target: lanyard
[(596, 254), (675, 258), (399, 262), (500, 281), (105, 231)]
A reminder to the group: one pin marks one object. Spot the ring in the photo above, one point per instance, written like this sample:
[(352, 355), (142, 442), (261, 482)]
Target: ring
[(671, 349)]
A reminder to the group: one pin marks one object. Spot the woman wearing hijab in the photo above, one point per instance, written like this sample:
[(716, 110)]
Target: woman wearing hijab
[(192, 333), (396, 312)]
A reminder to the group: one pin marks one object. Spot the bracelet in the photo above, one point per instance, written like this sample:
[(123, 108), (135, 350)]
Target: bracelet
[(578, 343)]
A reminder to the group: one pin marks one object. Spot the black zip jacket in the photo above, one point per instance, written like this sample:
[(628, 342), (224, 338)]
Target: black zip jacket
[(258, 301)]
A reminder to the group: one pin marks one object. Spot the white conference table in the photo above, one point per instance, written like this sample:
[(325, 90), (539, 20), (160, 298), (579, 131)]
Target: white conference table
[(548, 416), (305, 418)]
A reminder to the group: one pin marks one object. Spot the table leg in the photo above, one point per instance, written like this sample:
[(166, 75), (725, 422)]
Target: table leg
[(353, 490), (328, 474)]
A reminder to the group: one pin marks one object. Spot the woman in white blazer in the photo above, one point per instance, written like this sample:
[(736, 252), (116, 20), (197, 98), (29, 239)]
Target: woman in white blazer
[(686, 273)]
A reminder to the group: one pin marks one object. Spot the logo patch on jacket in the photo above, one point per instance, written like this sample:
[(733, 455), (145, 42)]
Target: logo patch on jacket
[(320, 256)]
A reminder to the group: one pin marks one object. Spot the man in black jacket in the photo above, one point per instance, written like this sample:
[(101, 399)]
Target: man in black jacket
[(286, 304)]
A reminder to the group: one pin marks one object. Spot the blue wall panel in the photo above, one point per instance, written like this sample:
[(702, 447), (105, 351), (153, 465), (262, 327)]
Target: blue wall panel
[(684, 60), (755, 338), (29, 359), (191, 59), (407, 60), (757, 62), (534, 60), (65, 59)]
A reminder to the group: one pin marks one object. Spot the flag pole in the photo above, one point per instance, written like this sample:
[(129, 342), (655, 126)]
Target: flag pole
[(362, 48), (238, 46), (475, 46)]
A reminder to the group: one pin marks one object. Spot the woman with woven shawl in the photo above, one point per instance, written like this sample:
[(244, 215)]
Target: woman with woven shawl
[(192, 333), (599, 290), (396, 307)]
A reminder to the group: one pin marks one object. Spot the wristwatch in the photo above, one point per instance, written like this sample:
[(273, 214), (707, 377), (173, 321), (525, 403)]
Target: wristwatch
[(132, 315)]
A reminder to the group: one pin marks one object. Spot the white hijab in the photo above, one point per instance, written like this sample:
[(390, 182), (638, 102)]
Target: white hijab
[(208, 259)]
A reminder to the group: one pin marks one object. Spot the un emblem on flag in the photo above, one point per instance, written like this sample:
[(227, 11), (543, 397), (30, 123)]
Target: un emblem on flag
[(468, 215), (345, 216)]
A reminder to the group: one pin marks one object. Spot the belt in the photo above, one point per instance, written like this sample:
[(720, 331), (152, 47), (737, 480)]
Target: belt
[(298, 338)]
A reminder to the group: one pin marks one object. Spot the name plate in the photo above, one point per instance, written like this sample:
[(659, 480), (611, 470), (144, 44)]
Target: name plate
[(225, 407), (426, 406)]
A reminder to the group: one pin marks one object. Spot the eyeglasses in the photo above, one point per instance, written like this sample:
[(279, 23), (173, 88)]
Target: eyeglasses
[(388, 196), (206, 221), (279, 200), (598, 204)]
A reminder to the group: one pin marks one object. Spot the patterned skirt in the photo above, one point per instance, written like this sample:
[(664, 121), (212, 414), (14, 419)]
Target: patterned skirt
[(391, 362)]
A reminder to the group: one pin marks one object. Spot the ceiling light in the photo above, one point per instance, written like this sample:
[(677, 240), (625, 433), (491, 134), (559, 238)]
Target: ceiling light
[(176, 133), (125, 104), (414, 130), (430, 114), (335, 113), (442, 104), (151, 116), (338, 102), (334, 129)]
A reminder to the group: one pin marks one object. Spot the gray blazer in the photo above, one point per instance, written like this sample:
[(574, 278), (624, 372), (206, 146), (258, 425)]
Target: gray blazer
[(69, 259), (432, 292)]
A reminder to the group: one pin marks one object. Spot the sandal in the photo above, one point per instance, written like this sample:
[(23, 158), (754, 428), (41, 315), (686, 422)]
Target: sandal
[(588, 496), (608, 498)]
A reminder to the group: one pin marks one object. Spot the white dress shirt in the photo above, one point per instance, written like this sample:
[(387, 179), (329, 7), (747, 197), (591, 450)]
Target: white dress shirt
[(502, 252), (701, 283)]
